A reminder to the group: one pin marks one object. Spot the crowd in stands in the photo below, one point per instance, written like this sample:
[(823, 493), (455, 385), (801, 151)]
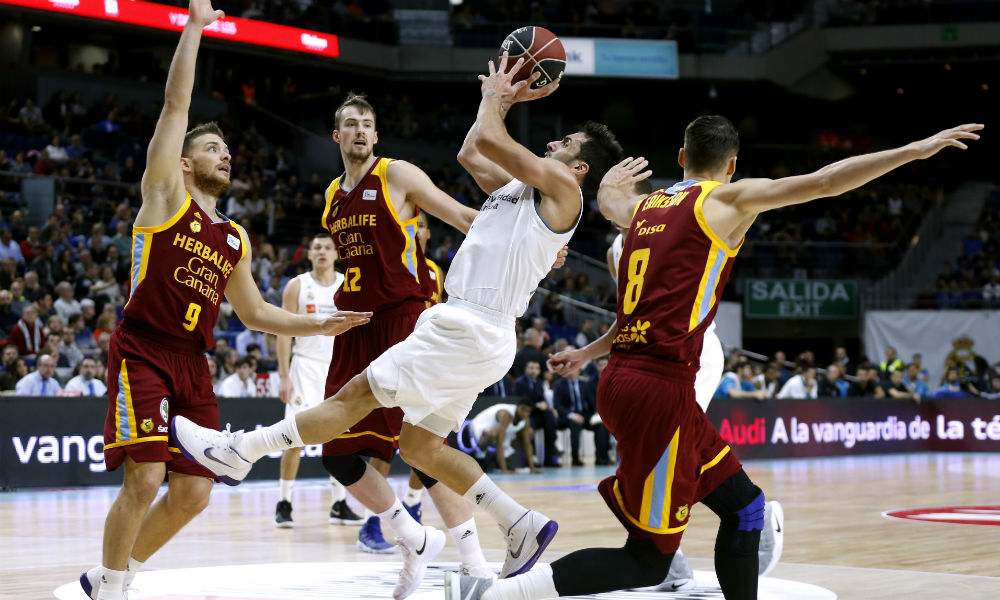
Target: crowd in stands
[(973, 280), (965, 375), (848, 13)]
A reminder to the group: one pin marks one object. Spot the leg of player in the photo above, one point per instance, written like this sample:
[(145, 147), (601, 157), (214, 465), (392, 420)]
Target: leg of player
[(528, 532), (457, 515), (289, 468), (370, 538), (740, 507), (141, 484), (340, 511), (230, 455)]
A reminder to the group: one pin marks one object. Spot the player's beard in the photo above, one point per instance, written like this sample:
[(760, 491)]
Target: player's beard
[(211, 182), (357, 155)]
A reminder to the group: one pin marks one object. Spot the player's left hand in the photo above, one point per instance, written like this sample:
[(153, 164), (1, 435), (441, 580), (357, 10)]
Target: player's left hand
[(626, 174), (561, 257), (342, 320), (499, 81)]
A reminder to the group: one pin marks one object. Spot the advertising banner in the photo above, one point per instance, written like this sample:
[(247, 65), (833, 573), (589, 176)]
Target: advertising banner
[(844, 426), (647, 59), (162, 16)]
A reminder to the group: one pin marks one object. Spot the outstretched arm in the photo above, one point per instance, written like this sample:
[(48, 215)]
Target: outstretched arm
[(616, 198), (730, 208), (259, 315), (565, 362), (419, 188), (162, 182)]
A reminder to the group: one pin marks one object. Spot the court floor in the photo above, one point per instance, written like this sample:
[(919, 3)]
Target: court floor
[(837, 535)]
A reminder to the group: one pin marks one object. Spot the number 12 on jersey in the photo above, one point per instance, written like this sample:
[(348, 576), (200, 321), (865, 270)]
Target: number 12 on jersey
[(638, 262), (351, 278)]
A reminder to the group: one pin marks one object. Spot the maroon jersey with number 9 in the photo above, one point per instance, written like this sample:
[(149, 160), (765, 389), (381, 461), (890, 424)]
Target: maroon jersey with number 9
[(671, 275), (383, 263), (179, 274)]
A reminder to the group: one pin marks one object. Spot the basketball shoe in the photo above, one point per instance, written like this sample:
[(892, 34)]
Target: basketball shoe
[(458, 586), (415, 561), (414, 511), (283, 515), (341, 514), (772, 537), (211, 449), (370, 538), (526, 540)]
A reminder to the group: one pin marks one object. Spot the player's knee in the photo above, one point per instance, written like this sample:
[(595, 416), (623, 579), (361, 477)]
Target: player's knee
[(413, 453), (141, 490), (652, 564), (426, 480), (348, 470), (190, 501)]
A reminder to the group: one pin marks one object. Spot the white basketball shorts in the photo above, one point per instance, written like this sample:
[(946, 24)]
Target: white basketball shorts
[(456, 350), (308, 377), (713, 361)]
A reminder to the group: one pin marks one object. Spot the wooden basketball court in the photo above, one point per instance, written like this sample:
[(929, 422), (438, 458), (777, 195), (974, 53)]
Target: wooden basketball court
[(836, 535)]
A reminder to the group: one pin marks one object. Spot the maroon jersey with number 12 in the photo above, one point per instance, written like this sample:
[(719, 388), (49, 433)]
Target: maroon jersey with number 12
[(671, 275), (179, 275), (383, 263)]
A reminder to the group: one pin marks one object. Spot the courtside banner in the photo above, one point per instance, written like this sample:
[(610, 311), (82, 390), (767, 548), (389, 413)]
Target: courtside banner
[(59, 441), (847, 426), (161, 16)]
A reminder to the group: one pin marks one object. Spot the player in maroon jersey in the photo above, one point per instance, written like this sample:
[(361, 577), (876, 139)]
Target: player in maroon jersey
[(185, 257), (677, 256)]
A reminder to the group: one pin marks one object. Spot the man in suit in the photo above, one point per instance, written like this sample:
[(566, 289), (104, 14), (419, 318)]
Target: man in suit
[(543, 417), (501, 389), (576, 404)]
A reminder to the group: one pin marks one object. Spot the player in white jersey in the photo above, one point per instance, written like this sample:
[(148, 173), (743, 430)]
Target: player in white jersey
[(712, 362), (498, 425), (303, 365), (535, 205)]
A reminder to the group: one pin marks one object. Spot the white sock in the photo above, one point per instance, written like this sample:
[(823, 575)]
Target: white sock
[(402, 523), (338, 489), (536, 584), (286, 488), (280, 436), (112, 584), (413, 496), (131, 570), (466, 538), (504, 509)]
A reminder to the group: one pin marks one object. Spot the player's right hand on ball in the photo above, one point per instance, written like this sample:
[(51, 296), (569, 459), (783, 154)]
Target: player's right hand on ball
[(342, 320)]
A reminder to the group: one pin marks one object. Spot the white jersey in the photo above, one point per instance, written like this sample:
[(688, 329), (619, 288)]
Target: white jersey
[(616, 252), (316, 299), (487, 421), (508, 250)]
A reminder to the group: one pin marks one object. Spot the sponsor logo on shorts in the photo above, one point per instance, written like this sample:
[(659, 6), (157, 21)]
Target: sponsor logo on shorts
[(161, 429), (147, 425), (164, 410), (682, 513)]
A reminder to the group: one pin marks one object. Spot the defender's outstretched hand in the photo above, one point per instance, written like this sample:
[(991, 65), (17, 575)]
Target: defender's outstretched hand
[(565, 362), (342, 320), (202, 14), (949, 137)]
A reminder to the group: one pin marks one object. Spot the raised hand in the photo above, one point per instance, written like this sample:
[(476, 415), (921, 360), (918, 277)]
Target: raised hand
[(202, 14), (342, 320), (949, 137), (626, 174), (499, 81)]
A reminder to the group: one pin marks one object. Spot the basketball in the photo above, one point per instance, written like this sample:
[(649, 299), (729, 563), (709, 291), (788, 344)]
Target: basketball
[(542, 51)]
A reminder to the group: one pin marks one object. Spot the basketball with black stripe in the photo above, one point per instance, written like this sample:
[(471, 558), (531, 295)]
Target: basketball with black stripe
[(542, 51)]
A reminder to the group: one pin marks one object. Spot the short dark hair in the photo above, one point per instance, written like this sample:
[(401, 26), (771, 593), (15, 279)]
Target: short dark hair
[(252, 348), (358, 101), (644, 187), (323, 235), (600, 151), (244, 360), (197, 132), (709, 141)]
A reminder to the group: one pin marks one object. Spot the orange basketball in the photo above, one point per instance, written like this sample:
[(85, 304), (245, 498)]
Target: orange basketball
[(542, 51)]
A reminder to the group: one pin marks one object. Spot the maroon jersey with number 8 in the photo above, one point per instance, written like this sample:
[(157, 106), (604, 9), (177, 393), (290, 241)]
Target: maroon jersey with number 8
[(179, 275), (671, 275)]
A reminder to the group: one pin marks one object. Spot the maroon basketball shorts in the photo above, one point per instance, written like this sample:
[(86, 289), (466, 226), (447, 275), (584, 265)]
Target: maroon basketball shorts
[(148, 384), (378, 433), (671, 455)]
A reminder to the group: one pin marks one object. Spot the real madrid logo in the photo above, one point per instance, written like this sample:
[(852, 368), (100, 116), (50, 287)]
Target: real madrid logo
[(682, 513), (195, 226), (309, 295), (147, 425)]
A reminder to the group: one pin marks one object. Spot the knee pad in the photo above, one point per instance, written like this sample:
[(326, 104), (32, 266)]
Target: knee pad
[(751, 516), (348, 470), (425, 479)]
